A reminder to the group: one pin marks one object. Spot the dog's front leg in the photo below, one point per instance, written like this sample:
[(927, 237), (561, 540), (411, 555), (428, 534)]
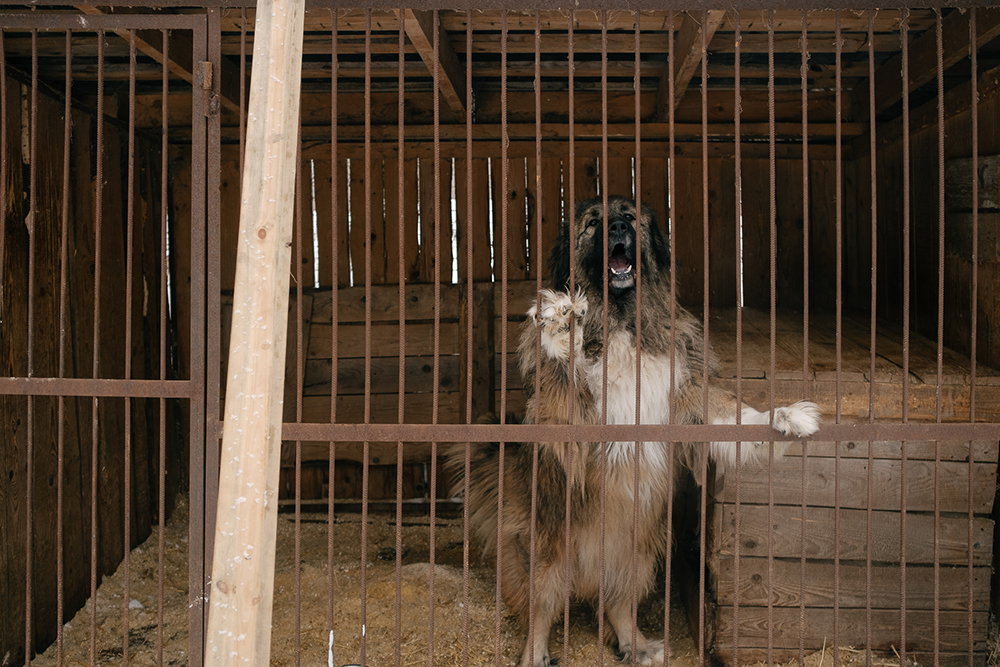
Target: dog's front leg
[(553, 314)]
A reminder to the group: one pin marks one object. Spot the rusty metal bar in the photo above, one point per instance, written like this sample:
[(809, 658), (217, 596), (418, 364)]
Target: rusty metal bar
[(703, 528), (839, 337), (601, 558), (401, 379), (304, 179), (974, 307), (470, 300), (672, 391), (365, 472), (129, 261), (569, 213), (503, 319), (806, 385), (774, 329), (98, 219), (636, 82), (905, 77), (161, 500), (63, 307), (29, 504), (870, 491), (939, 33), (203, 461), (436, 366), (738, 180), (334, 335)]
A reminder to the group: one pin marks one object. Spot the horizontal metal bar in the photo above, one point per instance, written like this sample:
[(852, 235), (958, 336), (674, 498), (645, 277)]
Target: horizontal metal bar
[(75, 21), (461, 5), (626, 433), (96, 387)]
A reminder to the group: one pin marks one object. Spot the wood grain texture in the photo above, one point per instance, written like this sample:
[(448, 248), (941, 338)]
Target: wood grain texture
[(239, 623)]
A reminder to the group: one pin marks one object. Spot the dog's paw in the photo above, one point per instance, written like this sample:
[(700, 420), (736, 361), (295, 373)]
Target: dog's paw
[(552, 315), (798, 420), (651, 654)]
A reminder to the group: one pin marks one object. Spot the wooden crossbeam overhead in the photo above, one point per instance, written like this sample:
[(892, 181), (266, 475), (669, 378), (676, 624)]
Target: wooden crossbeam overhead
[(687, 56), (150, 42), (923, 57), (419, 26)]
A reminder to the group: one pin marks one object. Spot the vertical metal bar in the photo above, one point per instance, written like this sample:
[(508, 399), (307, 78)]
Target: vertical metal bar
[(401, 379), (503, 321), (702, 547), (365, 479), (470, 301), (939, 32), (672, 391), (974, 310), (98, 255), (569, 207), (806, 384), (602, 562), (636, 78), (334, 337), (905, 77), (29, 477), (436, 379), (869, 516), (63, 307), (738, 150), (303, 178), (161, 501), (838, 149), (204, 461), (129, 258), (774, 328), (533, 528)]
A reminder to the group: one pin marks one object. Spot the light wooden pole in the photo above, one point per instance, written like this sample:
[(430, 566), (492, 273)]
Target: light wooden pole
[(242, 586)]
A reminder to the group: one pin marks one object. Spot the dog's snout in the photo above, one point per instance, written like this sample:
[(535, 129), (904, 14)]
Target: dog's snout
[(617, 229)]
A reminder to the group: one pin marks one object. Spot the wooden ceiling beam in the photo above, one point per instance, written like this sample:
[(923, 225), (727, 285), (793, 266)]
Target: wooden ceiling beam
[(687, 56), (419, 26), (180, 59), (923, 58)]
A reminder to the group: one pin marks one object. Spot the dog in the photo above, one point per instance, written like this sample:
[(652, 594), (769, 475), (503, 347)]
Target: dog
[(576, 353)]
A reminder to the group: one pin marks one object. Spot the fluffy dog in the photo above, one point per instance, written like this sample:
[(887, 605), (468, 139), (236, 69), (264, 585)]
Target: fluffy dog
[(667, 354)]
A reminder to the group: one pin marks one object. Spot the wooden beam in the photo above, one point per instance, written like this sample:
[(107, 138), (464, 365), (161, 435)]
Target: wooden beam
[(687, 56), (180, 63), (239, 621), (923, 58), (419, 26)]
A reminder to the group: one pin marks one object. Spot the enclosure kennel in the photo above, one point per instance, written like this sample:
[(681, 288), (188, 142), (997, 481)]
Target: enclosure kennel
[(780, 153)]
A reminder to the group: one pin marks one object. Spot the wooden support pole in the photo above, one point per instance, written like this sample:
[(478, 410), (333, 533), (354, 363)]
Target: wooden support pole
[(242, 586)]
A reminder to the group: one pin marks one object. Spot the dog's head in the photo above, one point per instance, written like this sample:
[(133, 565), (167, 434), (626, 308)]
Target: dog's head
[(631, 237)]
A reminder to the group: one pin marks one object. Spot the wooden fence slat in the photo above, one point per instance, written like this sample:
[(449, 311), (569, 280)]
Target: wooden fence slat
[(517, 251), (722, 224), (620, 177), (385, 339), (756, 233), (585, 179), (820, 538), (229, 221), (418, 375), (689, 231), (390, 181), (822, 232)]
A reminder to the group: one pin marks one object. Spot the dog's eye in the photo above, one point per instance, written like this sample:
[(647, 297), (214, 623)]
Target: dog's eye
[(629, 217), (594, 222)]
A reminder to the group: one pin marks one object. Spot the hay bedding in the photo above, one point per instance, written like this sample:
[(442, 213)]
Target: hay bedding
[(450, 644)]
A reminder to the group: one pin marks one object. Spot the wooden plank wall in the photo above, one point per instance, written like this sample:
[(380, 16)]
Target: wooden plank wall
[(946, 542), (78, 445)]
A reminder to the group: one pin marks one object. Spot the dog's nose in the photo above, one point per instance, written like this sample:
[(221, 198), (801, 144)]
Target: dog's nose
[(617, 228)]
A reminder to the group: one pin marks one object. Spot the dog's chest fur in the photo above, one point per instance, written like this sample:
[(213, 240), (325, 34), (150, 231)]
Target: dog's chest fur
[(654, 396)]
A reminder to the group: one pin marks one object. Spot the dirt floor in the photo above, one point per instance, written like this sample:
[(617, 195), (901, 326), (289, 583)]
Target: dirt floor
[(383, 637)]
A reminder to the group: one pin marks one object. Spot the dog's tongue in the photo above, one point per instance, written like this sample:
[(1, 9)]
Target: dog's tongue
[(618, 262)]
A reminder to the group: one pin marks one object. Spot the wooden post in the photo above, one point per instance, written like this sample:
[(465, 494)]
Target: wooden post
[(242, 586)]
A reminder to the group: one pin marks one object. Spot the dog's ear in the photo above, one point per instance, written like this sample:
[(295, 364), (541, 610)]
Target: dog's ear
[(559, 257), (658, 242)]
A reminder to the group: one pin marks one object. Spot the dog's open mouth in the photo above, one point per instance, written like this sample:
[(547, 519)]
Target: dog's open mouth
[(620, 268)]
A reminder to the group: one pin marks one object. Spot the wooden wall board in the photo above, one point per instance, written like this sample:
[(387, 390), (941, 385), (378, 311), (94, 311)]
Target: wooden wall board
[(822, 539), (784, 587), (754, 624), (849, 477)]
